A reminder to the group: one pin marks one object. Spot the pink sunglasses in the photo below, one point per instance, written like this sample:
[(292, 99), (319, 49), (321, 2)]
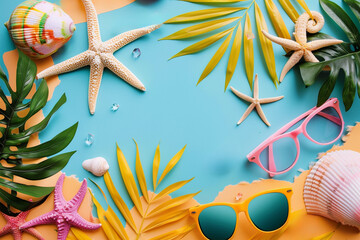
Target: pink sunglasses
[(322, 125)]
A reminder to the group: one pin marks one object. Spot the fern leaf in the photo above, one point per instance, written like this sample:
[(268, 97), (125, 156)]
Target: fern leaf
[(140, 174), (172, 163), (203, 14), (156, 165), (129, 181), (249, 50), (215, 59)]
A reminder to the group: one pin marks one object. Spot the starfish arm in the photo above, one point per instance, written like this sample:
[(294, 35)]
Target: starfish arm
[(92, 25), (262, 114), (241, 95), (34, 232), (59, 200), (69, 65), (47, 218), (5, 230), (286, 43), (96, 72), (317, 44), (310, 57), (63, 230), (77, 221), (127, 37), (247, 112), (256, 87), (294, 59), (75, 202), (17, 235), (270, 100), (120, 70)]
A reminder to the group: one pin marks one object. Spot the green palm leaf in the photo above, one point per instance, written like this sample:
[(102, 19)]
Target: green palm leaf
[(14, 139), (340, 58)]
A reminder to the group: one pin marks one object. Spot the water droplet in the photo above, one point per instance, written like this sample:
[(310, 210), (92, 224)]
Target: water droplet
[(115, 107), (136, 53), (89, 139)]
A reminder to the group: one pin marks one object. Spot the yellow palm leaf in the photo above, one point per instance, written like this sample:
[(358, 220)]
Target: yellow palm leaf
[(266, 45), (234, 56), (140, 174), (71, 237), (175, 233), (109, 231), (167, 218), (171, 204), (171, 164), (170, 189), (249, 50), (289, 9), (196, 47), (119, 202), (277, 21), (115, 223), (325, 236), (80, 235), (204, 14), (156, 165), (215, 59), (129, 180), (200, 28), (305, 7)]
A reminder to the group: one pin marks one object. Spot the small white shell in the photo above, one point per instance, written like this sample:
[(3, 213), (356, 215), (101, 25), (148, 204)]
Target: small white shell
[(97, 166), (332, 188)]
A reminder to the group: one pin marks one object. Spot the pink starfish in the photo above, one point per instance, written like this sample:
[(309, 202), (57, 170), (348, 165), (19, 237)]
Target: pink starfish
[(65, 213), (13, 226)]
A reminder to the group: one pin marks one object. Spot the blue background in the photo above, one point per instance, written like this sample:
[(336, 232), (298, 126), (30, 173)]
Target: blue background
[(174, 111)]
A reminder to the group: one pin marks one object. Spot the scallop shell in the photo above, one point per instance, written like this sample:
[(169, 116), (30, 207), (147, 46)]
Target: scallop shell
[(97, 166), (39, 28), (332, 189)]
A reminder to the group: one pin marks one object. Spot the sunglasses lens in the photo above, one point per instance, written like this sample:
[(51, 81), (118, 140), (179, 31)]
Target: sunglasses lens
[(269, 212), (284, 154), (218, 222), (325, 126)]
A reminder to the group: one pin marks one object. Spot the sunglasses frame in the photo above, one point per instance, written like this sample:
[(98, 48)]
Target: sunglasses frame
[(242, 207), (254, 156)]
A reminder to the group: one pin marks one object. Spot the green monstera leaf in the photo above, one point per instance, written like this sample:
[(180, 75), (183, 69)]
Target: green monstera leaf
[(344, 57), (14, 138)]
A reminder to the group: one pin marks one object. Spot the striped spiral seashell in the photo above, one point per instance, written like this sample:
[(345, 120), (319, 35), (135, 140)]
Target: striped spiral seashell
[(39, 28)]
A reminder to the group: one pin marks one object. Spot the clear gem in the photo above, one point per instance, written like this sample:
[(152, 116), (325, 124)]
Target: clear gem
[(115, 107), (136, 53), (89, 139)]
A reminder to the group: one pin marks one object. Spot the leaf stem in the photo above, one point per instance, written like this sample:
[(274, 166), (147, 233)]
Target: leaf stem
[(248, 8), (138, 234)]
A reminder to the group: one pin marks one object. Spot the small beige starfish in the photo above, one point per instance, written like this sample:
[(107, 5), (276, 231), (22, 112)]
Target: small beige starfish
[(301, 47), (100, 55), (255, 102)]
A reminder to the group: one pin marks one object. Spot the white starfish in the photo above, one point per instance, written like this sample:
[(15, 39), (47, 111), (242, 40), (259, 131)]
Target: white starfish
[(100, 55), (301, 47), (255, 102)]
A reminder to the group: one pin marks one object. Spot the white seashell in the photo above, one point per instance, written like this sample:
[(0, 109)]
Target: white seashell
[(332, 188), (97, 166)]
